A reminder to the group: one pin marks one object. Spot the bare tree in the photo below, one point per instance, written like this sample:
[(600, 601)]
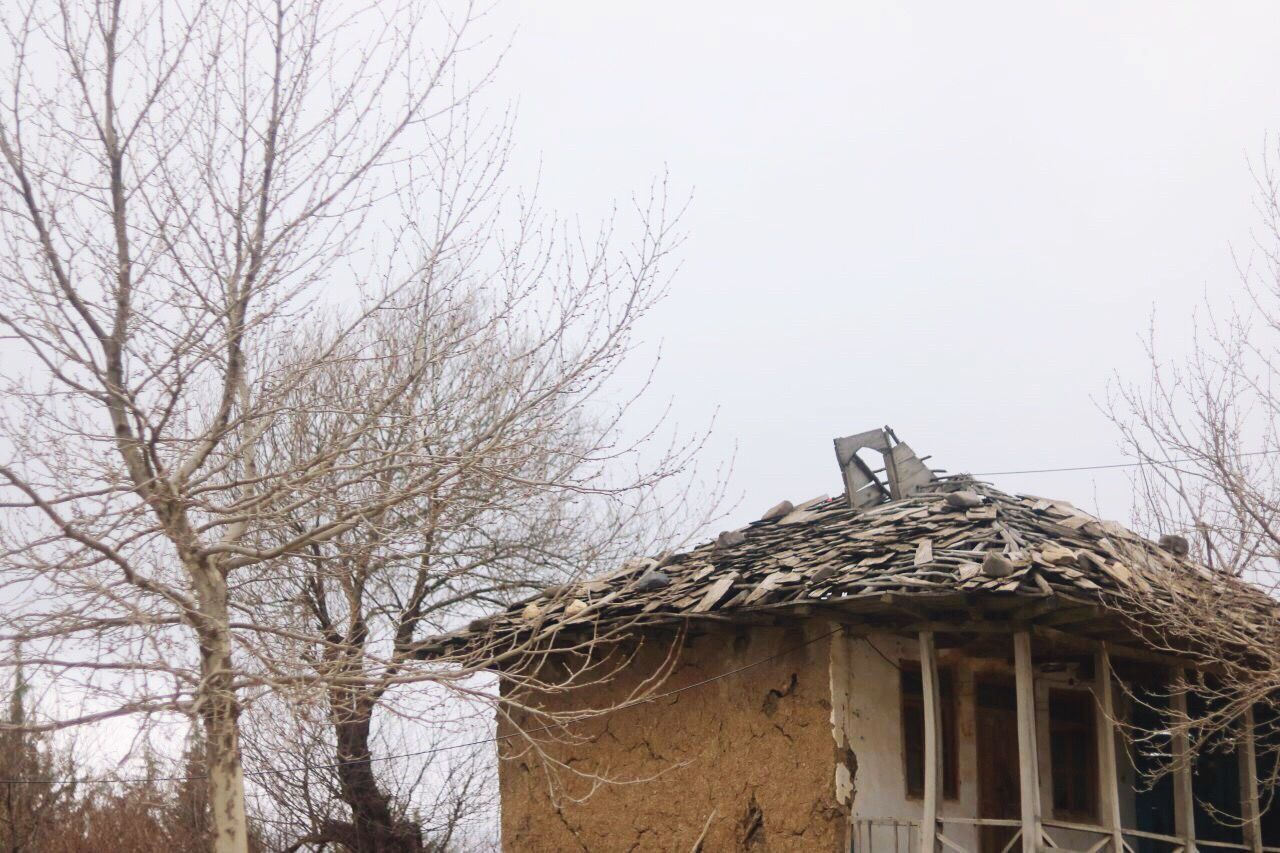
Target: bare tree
[(245, 246), (439, 793), (39, 778), (1206, 425), (545, 503), (1205, 428)]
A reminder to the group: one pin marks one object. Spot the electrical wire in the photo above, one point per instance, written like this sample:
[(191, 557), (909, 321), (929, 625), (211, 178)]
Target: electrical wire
[(882, 655), (1139, 464), (730, 673), (279, 771)]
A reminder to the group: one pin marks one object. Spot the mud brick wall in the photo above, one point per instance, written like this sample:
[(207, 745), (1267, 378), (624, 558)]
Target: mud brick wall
[(747, 762)]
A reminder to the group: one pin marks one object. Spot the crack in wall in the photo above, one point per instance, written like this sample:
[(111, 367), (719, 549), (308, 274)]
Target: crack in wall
[(744, 765), (752, 824), (572, 830), (771, 699)]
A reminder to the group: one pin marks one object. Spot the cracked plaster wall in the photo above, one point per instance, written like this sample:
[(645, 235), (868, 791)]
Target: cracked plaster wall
[(748, 757)]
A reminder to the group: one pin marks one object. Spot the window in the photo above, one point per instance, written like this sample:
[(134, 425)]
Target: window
[(1073, 749), (1215, 778), (913, 730), (1266, 732)]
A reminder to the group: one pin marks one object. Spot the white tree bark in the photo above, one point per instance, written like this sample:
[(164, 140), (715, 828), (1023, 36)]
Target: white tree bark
[(219, 711)]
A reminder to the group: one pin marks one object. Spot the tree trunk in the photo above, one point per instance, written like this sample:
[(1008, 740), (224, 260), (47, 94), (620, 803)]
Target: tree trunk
[(226, 779), (374, 828), (219, 712)]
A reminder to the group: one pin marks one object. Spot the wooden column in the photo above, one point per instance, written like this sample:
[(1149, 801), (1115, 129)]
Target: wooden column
[(1184, 802), (1028, 760), (1105, 727), (932, 743), (1247, 756)]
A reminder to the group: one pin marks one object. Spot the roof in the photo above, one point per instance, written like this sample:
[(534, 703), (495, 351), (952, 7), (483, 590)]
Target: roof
[(955, 538)]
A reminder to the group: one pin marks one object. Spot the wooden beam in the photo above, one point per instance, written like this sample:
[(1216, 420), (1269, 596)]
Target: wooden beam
[(1028, 760), (1184, 803), (1247, 757), (932, 743), (957, 626), (1116, 650), (1035, 609), (1106, 722), (1066, 615)]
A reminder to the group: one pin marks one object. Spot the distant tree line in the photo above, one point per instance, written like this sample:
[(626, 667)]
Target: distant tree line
[(47, 807)]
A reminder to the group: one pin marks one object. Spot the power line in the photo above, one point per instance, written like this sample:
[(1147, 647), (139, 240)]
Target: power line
[(646, 700), (278, 771), (1139, 464), (882, 655)]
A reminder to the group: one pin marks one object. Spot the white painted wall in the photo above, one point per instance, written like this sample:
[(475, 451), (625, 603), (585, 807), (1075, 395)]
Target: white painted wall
[(866, 714)]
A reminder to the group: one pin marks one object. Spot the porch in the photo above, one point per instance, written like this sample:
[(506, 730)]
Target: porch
[(1078, 798)]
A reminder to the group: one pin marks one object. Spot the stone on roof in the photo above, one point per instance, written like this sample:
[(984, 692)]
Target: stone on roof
[(950, 536)]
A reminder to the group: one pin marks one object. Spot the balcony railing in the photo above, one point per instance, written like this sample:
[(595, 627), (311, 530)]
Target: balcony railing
[(1033, 832), (902, 835)]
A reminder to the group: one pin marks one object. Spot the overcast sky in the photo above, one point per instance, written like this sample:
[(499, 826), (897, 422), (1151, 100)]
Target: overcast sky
[(952, 218)]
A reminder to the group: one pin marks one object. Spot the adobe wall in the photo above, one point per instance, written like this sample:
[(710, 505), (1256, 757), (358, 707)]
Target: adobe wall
[(749, 757)]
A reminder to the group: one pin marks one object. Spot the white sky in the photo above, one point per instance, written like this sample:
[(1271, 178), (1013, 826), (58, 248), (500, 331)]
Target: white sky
[(954, 218)]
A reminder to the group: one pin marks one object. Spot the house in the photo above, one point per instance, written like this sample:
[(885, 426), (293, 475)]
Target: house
[(924, 663)]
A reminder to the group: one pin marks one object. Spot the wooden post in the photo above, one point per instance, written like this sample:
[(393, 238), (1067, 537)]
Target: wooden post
[(1028, 760), (1247, 756), (932, 742), (1108, 784), (1184, 802)]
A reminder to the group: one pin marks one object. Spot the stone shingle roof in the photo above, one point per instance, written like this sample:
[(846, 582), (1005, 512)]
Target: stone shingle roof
[(956, 537)]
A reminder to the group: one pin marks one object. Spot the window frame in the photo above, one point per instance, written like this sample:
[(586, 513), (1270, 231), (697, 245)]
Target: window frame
[(909, 702), (1088, 726)]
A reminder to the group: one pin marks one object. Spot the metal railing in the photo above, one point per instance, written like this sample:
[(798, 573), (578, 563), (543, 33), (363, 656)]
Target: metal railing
[(902, 835)]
